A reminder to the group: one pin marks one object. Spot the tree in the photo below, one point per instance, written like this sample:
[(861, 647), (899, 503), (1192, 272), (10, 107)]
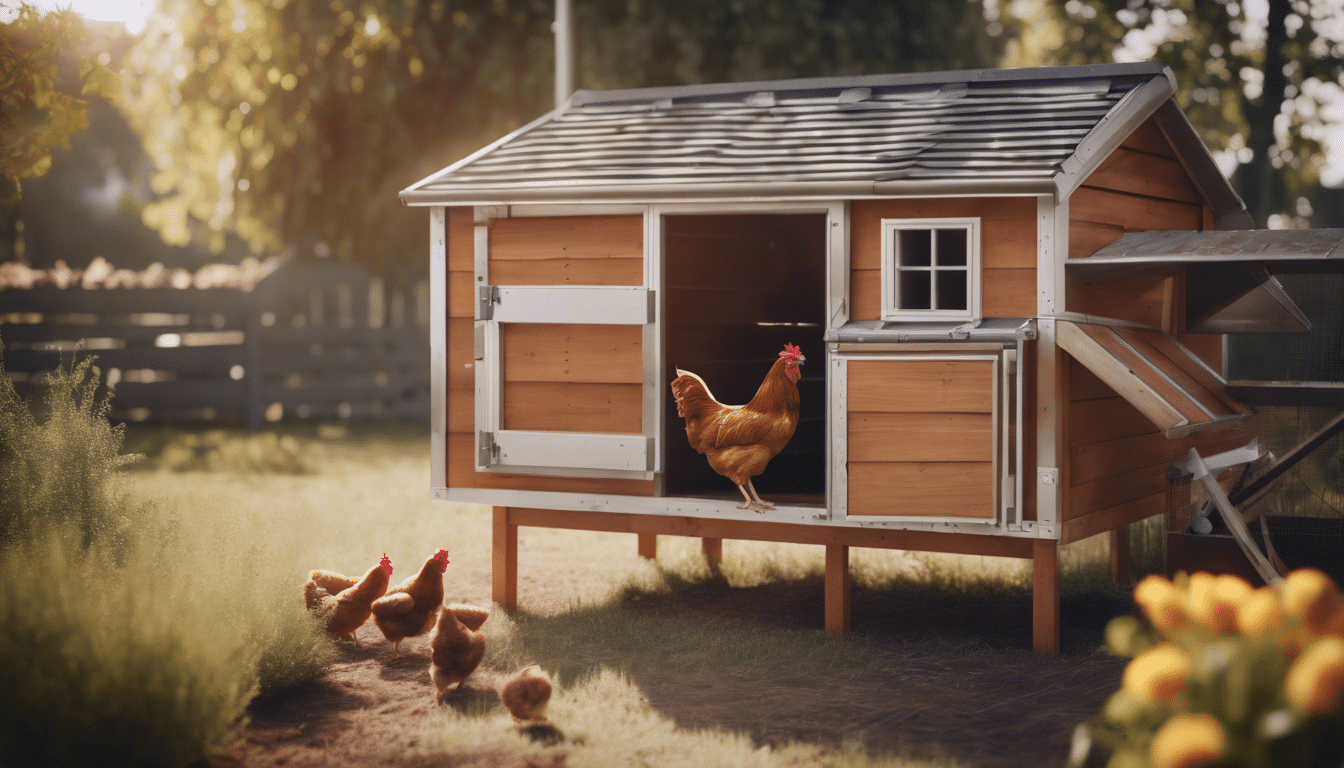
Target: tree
[(1254, 77), (295, 122), (42, 100)]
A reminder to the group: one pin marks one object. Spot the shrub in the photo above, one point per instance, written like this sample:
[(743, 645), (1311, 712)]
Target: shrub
[(60, 472), (129, 638)]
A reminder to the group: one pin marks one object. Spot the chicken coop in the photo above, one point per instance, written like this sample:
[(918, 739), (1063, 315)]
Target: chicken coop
[(1012, 289)]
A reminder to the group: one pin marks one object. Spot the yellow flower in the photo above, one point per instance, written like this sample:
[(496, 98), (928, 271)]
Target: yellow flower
[(1259, 611), (1316, 678), (1158, 674), (1162, 602), (1187, 741), (1214, 600), (1310, 595)]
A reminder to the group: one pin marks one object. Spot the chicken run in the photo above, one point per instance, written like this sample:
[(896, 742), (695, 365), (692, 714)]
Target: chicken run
[(1012, 288)]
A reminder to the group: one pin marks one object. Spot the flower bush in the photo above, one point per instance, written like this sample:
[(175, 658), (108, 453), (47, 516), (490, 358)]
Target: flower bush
[(1224, 674)]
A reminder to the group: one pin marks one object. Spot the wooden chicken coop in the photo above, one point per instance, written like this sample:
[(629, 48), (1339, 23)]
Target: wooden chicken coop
[(979, 379)]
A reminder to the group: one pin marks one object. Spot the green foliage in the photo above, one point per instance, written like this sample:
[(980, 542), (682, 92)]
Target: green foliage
[(306, 117), (1253, 85), (128, 633), (59, 473), (42, 103)]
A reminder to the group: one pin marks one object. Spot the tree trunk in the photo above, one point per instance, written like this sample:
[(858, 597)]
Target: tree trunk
[(1258, 181)]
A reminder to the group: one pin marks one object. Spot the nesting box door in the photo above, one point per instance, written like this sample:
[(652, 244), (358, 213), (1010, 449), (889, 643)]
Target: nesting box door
[(563, 311), (925, 437)]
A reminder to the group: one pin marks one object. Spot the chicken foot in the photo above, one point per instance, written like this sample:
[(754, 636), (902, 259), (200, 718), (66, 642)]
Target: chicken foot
[(753, 501)]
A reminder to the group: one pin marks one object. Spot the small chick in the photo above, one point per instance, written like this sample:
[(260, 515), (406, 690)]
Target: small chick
[(527, 694), (455, 646)]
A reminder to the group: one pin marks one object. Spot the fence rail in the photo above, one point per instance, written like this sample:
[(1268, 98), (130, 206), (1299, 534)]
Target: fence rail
[(306, 340)]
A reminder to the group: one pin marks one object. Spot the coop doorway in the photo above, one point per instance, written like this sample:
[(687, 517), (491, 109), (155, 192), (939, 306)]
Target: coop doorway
[(737, 288)]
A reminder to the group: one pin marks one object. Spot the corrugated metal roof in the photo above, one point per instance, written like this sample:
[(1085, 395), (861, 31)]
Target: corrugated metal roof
[(1012, 130)]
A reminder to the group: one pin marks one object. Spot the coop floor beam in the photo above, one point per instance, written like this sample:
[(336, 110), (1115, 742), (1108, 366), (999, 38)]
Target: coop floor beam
[(1043, 553)]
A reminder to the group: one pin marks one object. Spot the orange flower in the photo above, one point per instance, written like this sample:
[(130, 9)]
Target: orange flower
[(1214, 600), (1188, 741), (1316, 678), (1259, 611), (1158, 674), (1311, 595), (1162, 602)]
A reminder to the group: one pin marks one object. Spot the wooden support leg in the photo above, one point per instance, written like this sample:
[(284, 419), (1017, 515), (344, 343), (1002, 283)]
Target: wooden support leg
[(1045, 596), (837, 589), (1120, 567), (648, 546), (713, 549), (504, 563)]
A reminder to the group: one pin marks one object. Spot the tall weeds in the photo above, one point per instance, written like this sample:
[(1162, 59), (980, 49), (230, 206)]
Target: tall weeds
[(128, 635)]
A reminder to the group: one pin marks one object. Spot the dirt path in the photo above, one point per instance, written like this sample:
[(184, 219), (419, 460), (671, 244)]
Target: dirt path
[(957, 679)]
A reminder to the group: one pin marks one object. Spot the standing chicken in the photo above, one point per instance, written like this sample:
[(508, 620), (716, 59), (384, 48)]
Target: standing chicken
[(455, 646), (739, 440), (346, 602), (409, 609)]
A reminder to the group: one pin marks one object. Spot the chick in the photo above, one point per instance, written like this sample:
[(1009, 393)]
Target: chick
[(527, 694)]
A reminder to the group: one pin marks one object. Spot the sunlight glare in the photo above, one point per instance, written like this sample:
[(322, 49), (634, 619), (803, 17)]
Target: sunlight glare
[(131, 13)]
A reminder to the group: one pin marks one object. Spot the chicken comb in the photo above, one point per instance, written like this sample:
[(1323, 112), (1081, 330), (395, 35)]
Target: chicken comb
[(442, 554), (791, 351), (386, 563)]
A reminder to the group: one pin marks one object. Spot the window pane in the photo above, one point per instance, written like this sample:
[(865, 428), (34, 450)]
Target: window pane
[(916, 290), (952, 247), (916, 247), (951, 289)]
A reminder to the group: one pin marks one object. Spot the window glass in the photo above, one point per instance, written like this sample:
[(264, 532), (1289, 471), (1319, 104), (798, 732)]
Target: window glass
[(916, 247), (952, 247), (951, 289), (916, 291)]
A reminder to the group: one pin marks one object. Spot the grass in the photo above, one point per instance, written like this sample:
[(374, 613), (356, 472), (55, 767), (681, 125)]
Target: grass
[(128, 629)]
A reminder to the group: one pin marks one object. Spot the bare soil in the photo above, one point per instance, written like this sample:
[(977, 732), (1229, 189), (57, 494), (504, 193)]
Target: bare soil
[(957, 679)]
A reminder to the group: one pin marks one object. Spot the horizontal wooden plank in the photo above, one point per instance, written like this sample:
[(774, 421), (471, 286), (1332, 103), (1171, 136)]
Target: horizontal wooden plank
[(182, 393), (901, 489), (1107, 418), (1088, 237), (1206, 346), (1008, 293), (596, 354), (932, 386), (556, 407), (125, 301), (216, 359), (1080, 528), (750, 530), (566, 237), (461, 353), (568, 272), (1084, 384), (1094, 461), (462, 474), (920, 437), (1117, 489), (1132, 212), (1139, 173)]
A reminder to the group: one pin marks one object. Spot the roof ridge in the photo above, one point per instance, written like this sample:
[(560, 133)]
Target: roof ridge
[(986, 75)]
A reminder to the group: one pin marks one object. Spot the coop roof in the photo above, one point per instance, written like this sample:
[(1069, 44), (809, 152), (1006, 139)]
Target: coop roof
[(1033, 131), (1159, 376)]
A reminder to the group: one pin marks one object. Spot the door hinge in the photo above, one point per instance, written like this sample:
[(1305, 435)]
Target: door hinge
[(487, 296), (487, 450)]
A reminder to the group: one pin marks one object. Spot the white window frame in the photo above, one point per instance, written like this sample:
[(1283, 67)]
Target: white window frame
[(891, 269)]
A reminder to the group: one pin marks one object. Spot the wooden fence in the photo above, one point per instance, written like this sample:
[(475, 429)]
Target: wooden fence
[(296, 340)]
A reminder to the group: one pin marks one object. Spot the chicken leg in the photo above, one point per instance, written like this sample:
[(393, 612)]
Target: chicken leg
[(754, 500), (762, 502)]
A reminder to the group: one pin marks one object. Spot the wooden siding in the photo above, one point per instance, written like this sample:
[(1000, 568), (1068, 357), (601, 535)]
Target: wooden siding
[(921, 438), (1007, 250), (587, 250), (556, 378)]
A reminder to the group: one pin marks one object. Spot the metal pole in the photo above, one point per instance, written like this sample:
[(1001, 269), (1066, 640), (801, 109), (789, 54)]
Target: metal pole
[(564, 52)]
